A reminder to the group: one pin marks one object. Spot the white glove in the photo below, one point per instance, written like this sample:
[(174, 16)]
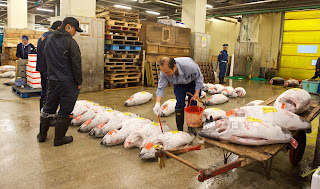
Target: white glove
[(156, 109)]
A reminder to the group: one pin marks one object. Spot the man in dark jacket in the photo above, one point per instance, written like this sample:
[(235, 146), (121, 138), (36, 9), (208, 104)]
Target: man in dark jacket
[(24, 48), (41, 66), (63, 58), (317, 74)]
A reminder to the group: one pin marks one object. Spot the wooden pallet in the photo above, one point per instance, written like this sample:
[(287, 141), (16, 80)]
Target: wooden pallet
[(152, 73), (111, 17), (123, 51), (123, 23), (121, 76), (26, 92), (121, 84), (207, 70), (120, 60), (122, 37), (120, 67), (120, 63), (123, 42), (121, 28), (121, 55), (116, 9)]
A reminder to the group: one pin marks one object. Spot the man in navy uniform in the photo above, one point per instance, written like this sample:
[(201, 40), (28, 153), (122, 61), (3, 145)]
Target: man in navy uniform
[(24, 48), (41, 66), (317, 73), (223, 60), (63, 58), (186, 76)]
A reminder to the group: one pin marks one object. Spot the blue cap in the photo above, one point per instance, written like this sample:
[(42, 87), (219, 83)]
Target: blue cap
[(225, 45), (24, 37)]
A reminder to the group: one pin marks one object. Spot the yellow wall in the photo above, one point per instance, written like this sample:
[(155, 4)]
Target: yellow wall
[(222, 32), (269, 37), (300, 28)]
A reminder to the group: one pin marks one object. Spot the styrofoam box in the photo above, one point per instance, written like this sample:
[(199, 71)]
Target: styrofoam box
[(34, 80), (315, 183), (33, 74), (31, 68), (36, 86), (32, 63), (32, 57)]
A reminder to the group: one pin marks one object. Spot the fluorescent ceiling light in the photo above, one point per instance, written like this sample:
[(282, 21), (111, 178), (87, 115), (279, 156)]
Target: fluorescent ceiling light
[(45, 10), (3, 5), (152, 12), (168, 3), (134, 0), (122, 7), (209, 6)]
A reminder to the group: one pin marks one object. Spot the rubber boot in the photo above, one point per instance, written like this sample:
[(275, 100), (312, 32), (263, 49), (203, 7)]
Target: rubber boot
[(44, 127), (222, 80), (180, 119), (62, 125)]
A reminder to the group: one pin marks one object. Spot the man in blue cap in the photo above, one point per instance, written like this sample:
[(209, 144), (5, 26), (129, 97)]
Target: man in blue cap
[(63, 58), (24, 48), (223, 60), (41, 66)]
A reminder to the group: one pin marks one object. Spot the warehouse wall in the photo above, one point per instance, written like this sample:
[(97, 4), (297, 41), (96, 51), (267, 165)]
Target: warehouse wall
[(269, 36), (222, 32)]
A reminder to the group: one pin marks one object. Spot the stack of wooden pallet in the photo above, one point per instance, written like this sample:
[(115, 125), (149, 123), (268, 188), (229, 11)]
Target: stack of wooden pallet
[(207, 70), (12, 37), (122, 47)]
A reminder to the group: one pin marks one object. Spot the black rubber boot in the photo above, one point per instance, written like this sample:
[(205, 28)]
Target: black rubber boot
[(44, 127), (62, 125), (220, 80), (53, 121), (180, 119)]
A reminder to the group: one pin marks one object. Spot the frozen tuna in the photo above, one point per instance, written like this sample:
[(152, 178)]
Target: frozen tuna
[(216, 99), (294, 100), (115, 136), (114, 123), (241, 92), (217, 88), (101, 118), (254, 103), (90, 114), (207, 86), (212, 114), (246, 131), (168, 107), (81, 107), (138, 98), (9, 74), (144, 134), (168, 140), (277, 116), (291, 83), (228, 91)]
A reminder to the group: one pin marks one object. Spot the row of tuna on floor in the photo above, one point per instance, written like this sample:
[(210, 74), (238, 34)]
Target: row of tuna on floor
[(249, 125)]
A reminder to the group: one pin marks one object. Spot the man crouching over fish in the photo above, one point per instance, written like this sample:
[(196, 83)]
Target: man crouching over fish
[(187, 77)]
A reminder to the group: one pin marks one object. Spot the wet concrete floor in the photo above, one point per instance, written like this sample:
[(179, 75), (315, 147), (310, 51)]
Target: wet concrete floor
[(25, 163)]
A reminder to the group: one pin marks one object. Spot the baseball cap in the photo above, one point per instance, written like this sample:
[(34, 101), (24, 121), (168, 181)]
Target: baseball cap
[(56, 24), (73, 22)]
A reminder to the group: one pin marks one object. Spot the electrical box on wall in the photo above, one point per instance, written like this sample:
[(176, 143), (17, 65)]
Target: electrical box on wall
[(91, 43), (200, 47)]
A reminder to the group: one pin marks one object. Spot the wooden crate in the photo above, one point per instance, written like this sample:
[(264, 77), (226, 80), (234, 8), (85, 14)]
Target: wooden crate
[(207, 70)]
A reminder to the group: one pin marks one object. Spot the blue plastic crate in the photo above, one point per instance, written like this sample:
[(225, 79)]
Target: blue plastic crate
[(111, 47), (136, 48), (310, 86)]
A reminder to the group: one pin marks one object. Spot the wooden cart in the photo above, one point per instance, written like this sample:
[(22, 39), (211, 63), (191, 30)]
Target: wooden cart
[(247, 154)]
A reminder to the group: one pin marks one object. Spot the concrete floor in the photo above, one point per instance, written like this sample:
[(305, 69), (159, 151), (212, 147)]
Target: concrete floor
[(25, 163)]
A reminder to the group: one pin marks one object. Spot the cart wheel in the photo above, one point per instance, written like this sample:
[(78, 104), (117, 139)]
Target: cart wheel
[(297, 154)]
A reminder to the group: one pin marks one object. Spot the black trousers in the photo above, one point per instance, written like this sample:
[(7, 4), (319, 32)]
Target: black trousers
[(316, 75), (44, 86), (63, 93)]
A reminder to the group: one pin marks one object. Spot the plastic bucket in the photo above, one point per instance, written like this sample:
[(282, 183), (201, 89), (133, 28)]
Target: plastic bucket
[(310, 86), (194, 115)]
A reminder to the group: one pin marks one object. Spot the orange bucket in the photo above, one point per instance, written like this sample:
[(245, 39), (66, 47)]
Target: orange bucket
[(194, 115)]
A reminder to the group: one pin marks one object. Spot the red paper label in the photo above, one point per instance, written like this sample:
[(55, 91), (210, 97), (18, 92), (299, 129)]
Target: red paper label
[(78, 117), (294, 143), (100, 126)]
